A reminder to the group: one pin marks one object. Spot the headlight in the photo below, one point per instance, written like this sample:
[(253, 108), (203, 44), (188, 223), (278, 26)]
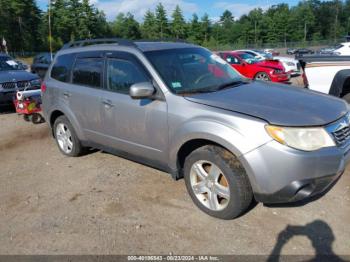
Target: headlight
[(277, 71), (290, 64), (35, 82), (307, 139)]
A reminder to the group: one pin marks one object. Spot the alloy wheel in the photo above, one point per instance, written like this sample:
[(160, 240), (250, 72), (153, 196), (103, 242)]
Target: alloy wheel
[(64, 138), (262, 77), (210, 185)]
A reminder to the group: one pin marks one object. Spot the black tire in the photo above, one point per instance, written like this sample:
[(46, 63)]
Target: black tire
[(239, 186), (261, 75), (27, 118), (37, 118), (347, 98), (77, 148)]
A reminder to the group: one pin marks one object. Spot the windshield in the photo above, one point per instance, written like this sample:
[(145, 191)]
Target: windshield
[(248, 58), (191, 70)]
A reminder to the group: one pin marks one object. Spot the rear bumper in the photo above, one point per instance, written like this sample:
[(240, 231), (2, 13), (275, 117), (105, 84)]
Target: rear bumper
[(280, 174)]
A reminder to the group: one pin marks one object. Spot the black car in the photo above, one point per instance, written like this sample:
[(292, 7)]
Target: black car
[(13, 79), (41, 64), (12, 62), (303, 51)]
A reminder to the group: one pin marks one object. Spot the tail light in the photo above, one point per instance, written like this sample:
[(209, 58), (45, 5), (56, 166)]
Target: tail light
[(43, 87)]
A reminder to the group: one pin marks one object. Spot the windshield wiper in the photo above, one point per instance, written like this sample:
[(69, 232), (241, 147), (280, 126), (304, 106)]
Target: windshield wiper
[(232, 83), (213, 89)]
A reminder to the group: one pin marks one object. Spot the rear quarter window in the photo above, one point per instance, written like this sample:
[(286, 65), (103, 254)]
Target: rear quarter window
[(61, 70)]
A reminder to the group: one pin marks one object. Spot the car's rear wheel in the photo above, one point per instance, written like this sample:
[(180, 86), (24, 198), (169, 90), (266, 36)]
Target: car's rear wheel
[(262, 76), (217, 182), (66, 138)]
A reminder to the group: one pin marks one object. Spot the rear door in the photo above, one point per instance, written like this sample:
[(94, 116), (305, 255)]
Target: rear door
[(85, 93), (135, 126)]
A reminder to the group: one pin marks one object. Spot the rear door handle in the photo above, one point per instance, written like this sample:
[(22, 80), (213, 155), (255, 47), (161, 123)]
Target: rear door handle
[(66, 95), (107, 103)]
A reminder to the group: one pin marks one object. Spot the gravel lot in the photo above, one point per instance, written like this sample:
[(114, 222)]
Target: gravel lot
[(103, 204)]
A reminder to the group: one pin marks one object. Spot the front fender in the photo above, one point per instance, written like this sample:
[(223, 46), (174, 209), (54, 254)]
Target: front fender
[(228, 136)]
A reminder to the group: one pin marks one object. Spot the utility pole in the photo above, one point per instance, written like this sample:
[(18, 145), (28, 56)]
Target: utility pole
[(50, 34), (336, 21), (20, 33)]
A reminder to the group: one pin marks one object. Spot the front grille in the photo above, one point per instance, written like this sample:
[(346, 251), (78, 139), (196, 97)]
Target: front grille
[(342, 135), (340, 130), (23, 84), (14, 85), (9, 85)]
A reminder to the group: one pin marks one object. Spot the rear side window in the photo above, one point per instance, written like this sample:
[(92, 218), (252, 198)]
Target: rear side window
[(122, 74), (62, 68), (88, 72)]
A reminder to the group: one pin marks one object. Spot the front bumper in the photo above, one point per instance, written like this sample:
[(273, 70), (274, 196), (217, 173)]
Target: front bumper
[(280, 77), (7, 97), (279, 174)]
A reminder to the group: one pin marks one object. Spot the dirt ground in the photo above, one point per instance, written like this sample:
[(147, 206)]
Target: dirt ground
[(103, 204)]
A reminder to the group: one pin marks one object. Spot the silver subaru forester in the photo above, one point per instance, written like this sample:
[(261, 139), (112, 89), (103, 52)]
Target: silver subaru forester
[(182, 109)]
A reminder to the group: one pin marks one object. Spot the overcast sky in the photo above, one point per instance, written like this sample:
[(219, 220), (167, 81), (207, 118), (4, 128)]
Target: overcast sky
[(213, 8)]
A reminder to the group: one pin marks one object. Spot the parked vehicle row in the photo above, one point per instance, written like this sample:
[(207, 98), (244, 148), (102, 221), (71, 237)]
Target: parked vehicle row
[(182, 109), (249, 66)]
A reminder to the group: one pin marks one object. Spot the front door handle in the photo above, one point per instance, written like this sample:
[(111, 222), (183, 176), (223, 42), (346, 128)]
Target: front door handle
[(107, 103)]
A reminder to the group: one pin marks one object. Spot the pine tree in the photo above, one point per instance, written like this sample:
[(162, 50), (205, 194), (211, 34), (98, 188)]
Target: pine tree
[(194, 34), (178, 24), (162, 21), (149, 27), (205, 27)]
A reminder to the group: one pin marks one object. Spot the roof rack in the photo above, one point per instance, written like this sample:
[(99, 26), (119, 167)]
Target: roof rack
[(87, 42), (175, 40)]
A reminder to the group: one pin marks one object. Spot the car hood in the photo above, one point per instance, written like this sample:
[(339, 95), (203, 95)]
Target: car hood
[(277, 104), (273, 64), (16, 75)]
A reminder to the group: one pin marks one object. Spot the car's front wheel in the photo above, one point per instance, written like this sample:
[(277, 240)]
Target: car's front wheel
[(66, 138), (217, 182), (262, 76)]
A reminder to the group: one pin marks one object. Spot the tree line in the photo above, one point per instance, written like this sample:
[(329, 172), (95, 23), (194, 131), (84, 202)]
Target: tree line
[(25, 26)]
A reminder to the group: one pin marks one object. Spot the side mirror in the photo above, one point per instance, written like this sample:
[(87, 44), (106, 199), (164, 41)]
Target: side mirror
[(141, 90)]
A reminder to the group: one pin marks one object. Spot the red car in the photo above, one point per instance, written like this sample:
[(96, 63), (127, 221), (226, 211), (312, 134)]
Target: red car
[(250, 67)]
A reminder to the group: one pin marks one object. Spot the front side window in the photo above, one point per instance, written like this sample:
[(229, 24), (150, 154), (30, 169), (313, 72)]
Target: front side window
[(191, 70), (248, 58), (122, 74), (62, 67), (88, 72), (232, 60)]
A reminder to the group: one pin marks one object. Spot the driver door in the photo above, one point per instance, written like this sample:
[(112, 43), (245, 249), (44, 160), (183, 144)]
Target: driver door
[(236, 63), (136, 126)]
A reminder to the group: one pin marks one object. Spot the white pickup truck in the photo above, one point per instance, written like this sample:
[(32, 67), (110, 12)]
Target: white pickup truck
[(328, 74)]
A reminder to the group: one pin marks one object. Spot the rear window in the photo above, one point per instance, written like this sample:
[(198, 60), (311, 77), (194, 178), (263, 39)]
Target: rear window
[(88, 72), (62, 68)]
